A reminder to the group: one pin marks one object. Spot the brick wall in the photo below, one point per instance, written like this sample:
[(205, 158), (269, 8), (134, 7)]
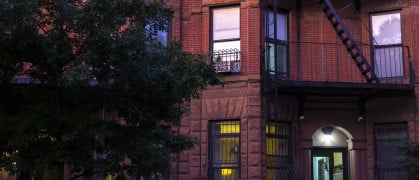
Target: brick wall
[(238, 99), (241, 97)]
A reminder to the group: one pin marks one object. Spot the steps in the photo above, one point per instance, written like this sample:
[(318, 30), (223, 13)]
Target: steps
[(347, 40)]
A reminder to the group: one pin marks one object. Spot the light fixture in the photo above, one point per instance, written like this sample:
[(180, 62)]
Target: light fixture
[(327, 134), (327, 130)]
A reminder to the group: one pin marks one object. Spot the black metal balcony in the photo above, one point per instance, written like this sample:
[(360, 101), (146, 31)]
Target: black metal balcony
[(226, 60), (318, 65)]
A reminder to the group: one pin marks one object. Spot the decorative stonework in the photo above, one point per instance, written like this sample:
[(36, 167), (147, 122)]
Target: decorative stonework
[(224, 108)]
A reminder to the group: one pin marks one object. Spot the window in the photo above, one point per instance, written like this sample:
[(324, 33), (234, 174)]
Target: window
[(277, 151), (226, 38), (159, 31), (224, 150), (276, 43), (387, 44), (386, 166)]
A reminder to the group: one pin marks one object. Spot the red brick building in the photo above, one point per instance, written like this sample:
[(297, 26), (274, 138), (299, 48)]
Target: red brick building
[(314, 88)]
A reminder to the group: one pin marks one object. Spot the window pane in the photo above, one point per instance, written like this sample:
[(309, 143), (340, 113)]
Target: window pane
[(224, 150), (162, 37), (281, 26), (386, 29), (277, 151), (386, 164), (226, 45), (388, 62), (277, 62), (226, 23), (158, 34)]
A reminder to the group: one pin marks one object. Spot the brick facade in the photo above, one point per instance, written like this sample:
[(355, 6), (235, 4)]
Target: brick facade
[(242, 97)]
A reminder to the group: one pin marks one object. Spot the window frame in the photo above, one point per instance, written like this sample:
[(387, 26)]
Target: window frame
[(212, 41), (283, 137), (215, 139), (278, 44), (168, 30), (381, 67), (403, 127), (227, 57)]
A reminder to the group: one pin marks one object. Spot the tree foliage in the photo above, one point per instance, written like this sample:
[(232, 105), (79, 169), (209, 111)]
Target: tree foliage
[(409, 156), (87, 84)]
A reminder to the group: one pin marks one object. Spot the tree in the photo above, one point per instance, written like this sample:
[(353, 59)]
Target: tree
[(409, 157), (67, 66)]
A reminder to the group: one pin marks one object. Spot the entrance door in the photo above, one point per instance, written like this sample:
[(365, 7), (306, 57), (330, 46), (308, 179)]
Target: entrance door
[(329, 164)]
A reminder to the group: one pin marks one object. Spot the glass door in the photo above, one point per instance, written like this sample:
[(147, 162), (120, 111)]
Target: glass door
[(329, 164)]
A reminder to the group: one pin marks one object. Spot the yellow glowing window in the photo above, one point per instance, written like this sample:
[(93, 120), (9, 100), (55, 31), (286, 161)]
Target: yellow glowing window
[(226, 172), (270, 129), (277, 139), (229, 128), (277, 128), (271, 146), (224, 149)]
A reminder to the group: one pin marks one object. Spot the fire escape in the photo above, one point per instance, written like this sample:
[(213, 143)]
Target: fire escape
[(325, 69)]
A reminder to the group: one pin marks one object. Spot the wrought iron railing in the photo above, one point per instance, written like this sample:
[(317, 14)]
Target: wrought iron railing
[(331, 62), (226, 60)]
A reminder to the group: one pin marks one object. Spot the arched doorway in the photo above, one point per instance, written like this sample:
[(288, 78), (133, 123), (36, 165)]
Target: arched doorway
[(329, 155)]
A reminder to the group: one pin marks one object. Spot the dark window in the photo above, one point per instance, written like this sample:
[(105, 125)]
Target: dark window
[(277, 151), (276, 43), (159, 31), (225, 40), (224, 150), (386, 165), (387, 44)]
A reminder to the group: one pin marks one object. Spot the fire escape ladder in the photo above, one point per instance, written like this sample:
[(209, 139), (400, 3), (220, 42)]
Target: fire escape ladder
[(348, 41)]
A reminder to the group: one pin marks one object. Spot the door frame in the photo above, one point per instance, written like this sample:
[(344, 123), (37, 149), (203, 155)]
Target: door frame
[(316, 151)]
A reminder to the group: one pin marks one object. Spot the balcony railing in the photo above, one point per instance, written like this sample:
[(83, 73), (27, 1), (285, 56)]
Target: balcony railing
[(330, 62), (226, 60)]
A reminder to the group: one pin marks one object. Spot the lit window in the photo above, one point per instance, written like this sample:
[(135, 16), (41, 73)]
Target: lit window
[(224, 150), (226, 28), (387, 41), (225, 40), (277, 151)]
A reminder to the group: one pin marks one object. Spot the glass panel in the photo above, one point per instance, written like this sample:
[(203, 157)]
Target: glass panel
[(337, 166), (328, 164), (388, 62), (280, 61), (162, 37), (158, 33), (277, 129), (224, 150), (281, 26), (225, 174), (226, 23), (321, 168), (277, 150), (386, 29), (226, 45), (386, 164)]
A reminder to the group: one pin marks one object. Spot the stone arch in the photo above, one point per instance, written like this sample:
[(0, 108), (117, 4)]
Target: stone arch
[(332, 136)]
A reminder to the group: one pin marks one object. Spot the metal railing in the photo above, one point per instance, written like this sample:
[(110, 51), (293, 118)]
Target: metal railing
[(330, 62), (226, 60)]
